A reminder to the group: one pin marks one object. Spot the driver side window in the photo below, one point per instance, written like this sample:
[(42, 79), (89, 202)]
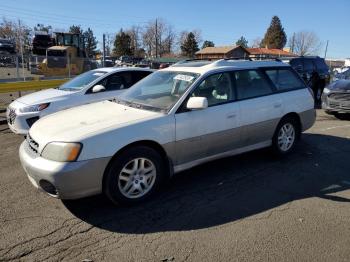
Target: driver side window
[(216, 88)]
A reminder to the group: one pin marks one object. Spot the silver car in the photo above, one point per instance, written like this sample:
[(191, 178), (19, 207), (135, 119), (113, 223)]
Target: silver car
[(172, 120)]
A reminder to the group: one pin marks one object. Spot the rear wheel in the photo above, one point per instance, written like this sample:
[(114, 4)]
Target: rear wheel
[(286, 135), (134, 175)]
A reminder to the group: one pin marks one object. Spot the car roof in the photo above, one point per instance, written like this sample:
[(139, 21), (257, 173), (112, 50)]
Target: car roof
[(119, 69), (202, 67)]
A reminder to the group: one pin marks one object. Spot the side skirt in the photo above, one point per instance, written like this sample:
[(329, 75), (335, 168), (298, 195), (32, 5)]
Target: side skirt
[(237, 151)]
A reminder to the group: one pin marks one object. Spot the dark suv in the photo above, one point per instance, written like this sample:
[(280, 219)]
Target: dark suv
[(7, 46), (314, 71)]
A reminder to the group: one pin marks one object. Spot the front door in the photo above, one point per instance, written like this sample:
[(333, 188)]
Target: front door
[(211, 131)]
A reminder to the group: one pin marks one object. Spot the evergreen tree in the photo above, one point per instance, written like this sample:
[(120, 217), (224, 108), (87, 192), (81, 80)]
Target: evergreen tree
[(275, 37), (189, 46), (76, 29), (242, 42), (90, 42), (122, 44), (208, 44)]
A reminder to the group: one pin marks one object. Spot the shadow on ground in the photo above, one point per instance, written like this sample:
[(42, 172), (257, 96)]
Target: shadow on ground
[(230, 189)]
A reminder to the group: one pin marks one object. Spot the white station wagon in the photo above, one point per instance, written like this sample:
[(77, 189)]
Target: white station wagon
[(92, 86), (170, 121)]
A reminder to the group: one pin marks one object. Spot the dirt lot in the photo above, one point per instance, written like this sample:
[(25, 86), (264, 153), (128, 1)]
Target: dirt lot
[(252, 207)]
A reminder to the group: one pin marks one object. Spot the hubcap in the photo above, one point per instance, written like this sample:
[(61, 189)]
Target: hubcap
[(286, 137), (137, 178)]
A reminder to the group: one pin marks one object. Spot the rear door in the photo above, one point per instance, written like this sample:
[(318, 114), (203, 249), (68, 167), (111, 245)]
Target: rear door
[(260, 106)]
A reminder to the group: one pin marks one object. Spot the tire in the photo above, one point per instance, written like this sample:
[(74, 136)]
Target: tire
[(134, 175), (342, 116), (286, 136)]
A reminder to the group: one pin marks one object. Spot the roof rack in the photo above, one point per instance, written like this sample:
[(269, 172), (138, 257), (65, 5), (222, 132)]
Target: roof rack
[(238, 58)]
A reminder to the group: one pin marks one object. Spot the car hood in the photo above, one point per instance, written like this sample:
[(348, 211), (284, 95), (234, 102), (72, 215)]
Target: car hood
[(45, 96), (75, 124), (340, 85)]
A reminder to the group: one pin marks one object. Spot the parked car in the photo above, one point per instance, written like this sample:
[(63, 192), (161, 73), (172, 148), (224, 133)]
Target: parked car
[(92, 86), (336, 99), (172, 120), (314, 71), (7, 46), (343, 75)]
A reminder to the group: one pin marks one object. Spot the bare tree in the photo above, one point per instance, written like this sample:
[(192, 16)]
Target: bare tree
[(135, 34), (16, 31), (305, 43), (158, 37), (109, 41), (256, 42)]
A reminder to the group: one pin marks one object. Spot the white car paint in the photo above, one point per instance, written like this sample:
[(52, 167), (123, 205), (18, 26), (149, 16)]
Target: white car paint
[(61, 99)]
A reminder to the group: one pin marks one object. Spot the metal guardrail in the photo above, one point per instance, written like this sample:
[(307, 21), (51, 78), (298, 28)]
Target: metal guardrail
[(30, 85)]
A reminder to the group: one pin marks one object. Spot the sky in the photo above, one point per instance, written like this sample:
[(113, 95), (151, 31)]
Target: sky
[(220, 21)]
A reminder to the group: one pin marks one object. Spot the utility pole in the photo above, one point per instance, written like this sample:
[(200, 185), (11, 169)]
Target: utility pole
[(156, 38), (293, 43), (325, 52), (20, 36), (104, 51)]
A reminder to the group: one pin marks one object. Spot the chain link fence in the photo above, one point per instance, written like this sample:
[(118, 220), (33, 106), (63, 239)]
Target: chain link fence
[(60, 64)]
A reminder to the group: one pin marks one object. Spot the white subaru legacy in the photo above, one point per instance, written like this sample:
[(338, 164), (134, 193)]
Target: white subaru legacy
[(92, 86), (170, 121)]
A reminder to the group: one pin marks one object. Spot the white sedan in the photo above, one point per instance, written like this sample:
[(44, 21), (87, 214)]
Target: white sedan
[(92, 86)]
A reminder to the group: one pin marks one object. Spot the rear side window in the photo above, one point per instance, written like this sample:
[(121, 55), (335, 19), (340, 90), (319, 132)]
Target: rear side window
[(284, 79), (250, 83)]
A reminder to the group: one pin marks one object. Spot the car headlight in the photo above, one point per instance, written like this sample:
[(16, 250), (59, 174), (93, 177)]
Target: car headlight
[(62, 151), (326, 91), (35, 108)]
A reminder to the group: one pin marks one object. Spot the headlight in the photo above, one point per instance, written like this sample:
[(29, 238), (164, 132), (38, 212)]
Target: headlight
[(326, 91), (61, 151), (35, 108)]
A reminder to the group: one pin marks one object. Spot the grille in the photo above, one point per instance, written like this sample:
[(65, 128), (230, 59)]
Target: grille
[(33, 145), (11, 116), (340, 96)]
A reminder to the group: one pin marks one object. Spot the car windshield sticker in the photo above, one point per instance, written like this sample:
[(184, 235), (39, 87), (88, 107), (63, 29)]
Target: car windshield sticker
[(184, 78), (98, 74)]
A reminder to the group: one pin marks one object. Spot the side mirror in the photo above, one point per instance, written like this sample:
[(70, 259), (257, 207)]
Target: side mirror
[(196, 103), (98, 88)]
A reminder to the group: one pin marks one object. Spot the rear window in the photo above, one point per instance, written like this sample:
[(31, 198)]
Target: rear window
[(321, 64), (284, 79), (308, 65)]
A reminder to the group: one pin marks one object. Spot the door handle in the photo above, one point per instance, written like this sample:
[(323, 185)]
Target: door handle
[(277, 105), (231, 116)]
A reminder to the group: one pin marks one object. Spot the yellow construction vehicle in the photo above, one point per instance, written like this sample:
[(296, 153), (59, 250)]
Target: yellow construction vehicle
[(66, 58)]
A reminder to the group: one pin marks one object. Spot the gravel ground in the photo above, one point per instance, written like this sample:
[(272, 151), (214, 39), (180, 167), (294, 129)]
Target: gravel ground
[(251, 207)]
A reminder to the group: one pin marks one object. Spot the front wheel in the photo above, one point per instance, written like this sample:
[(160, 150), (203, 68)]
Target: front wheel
[(134, 175), (286, 136)]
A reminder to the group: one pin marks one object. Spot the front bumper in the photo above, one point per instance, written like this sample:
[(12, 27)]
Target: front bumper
[(71, 180), (19, 122), (332, 106)]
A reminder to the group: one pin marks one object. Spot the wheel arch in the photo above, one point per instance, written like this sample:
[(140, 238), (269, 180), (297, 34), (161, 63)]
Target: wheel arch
[(294, 116), (148, 143)]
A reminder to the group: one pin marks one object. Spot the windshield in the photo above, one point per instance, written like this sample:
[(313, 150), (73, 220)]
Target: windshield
[(159, 91), (80, 81)]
